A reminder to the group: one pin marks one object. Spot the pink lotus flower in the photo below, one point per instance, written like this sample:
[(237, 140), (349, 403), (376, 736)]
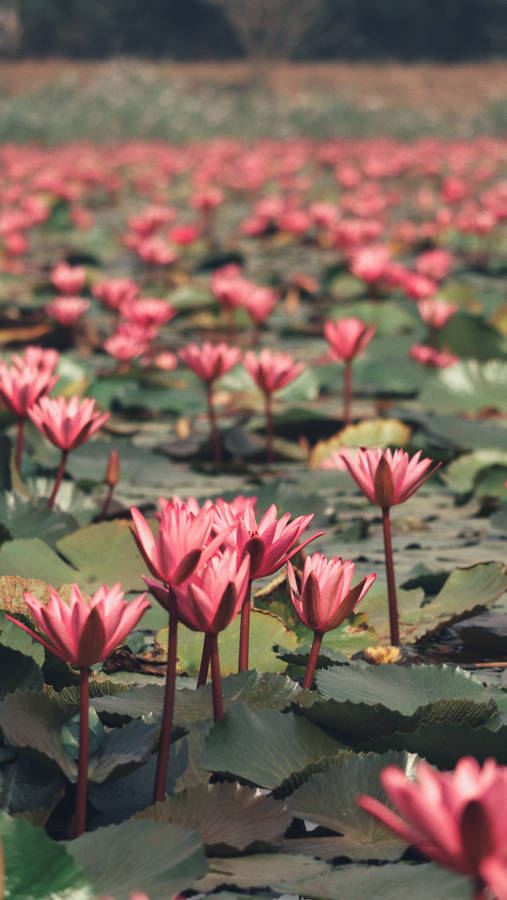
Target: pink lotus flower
[(269, 543), (67, 310), (436, 313), (181, 545), (36, 358), (22, 387), (210, 361), (418, 287), (67, 423), (182, 235), (213, 595), (347, 337), (124, 345), (272, 371), (325, 599), (369, 263), (326, 596), (259, 302), (429, 356), (69, 280), (386, 479), (400, 476), (435, 264), (455, 818), (113, 292), (229, 286), (148, 312), (83, 633), (154, 251), (166, 361)]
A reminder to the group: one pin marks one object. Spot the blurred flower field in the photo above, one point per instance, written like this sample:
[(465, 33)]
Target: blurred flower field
[(263, 377)]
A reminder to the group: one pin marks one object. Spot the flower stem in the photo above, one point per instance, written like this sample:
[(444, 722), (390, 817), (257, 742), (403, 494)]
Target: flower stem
[(218, 703), (19, 441), (105, 506), (58, 479), (82, 775), (391, 583), (480, 890), (244, 631), (205, 660), (268, 410), (168, 711), (217, 451), (312, 659), (347, 391)]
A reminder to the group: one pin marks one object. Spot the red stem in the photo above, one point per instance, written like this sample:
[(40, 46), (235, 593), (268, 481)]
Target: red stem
[(168, 711), (391, 583), (480, 890), (312, 659), (58, 479), (269, 426), (218, 703), (217, 451), (244, 631), (347, 391), (82, 773), (205, 660), (105, 506), (19, 441)]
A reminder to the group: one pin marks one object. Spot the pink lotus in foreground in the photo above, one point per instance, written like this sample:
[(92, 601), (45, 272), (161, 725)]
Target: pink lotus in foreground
[(84, 632), (325, 599), (456, 818)]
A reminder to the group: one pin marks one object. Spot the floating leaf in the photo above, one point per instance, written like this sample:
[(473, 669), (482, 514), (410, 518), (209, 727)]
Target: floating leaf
[(371, 433), (260, 870)]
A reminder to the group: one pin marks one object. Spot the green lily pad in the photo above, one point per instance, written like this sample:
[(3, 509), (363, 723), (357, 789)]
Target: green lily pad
[(468, 387), (104, 554), (462, 474)]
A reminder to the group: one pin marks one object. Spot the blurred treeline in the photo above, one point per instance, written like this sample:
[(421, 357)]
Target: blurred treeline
[(409, 30)]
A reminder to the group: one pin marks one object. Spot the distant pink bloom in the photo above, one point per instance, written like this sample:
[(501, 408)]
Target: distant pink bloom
[(230, 287), (418, 287), (125, 346), (148, 311), (369, 263), (399, 477), (15, 244), (151, 218), (69, 280), (21, 388), (436, 313), (271, 371), (429, 356), (214, 594), (67, 310), (455, 818), (210, 361), (67, 423), (113, 292), (165, 360), (207, 199), (347, 337), (435, 264), (181, 235), (259, 302), (326, 596), (154, 251), (84, 633)]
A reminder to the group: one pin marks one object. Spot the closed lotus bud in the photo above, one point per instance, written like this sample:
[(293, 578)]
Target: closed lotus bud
[(113, 469), (384, 487)]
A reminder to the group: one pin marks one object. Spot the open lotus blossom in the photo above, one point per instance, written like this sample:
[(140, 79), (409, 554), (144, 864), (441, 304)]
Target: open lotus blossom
[(436, 313), (113, 292), (21, 386), (229, 286), (369, 263), (271, 372), (455, 818), (148, 311), (39, 358), (126, 345), (387, 479), (430, 356), (213, 595), (435, 264), (268, 544), (325, 599), (66, 424), (69, 280), (83, 633), (67, 310), (259, 302), (346, 339), (399, 477), (209, 362)]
